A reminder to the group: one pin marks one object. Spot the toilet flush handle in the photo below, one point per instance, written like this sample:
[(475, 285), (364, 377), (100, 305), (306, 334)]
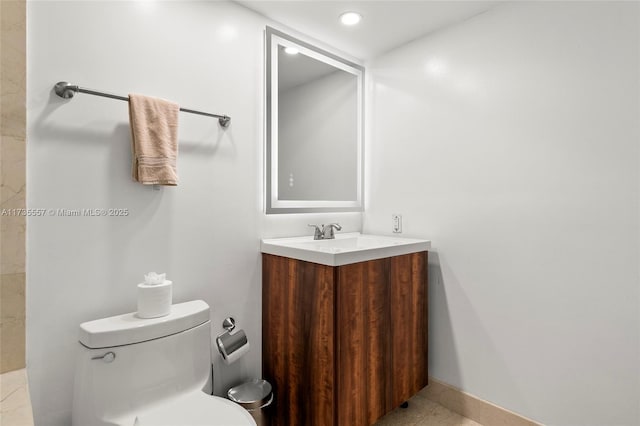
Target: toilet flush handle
[(108, 357)]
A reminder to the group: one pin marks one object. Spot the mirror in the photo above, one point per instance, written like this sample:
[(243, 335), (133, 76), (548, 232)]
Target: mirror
[(314, 128)]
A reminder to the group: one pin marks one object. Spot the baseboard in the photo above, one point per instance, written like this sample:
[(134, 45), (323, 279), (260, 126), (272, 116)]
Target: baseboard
[(472, 407)]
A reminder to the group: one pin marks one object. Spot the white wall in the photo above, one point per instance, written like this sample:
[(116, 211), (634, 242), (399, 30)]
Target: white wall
[(318, 139), (204, 234), (511, 141)]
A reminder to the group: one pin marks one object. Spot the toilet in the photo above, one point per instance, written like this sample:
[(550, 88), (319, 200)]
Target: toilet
[(150, 372)]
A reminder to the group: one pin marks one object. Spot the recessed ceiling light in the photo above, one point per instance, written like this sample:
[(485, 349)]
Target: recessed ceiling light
[(350, 18), (291, 50)]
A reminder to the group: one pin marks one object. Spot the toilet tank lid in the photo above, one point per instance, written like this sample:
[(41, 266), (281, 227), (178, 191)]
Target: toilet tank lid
[(128, 328)]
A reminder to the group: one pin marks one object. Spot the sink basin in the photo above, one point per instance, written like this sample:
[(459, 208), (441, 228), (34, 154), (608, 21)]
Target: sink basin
[(344, 249)]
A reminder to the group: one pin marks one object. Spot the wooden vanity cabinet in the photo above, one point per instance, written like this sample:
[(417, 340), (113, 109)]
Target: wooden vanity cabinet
[(343, 345)]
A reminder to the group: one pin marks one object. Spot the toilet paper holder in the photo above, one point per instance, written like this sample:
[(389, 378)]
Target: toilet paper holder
[(231, 346)]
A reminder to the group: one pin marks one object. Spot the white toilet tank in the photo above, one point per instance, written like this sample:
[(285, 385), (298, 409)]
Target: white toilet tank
[(127, 364)]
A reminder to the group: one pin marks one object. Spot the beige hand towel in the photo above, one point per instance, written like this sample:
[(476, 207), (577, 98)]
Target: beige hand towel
[(154, 137)]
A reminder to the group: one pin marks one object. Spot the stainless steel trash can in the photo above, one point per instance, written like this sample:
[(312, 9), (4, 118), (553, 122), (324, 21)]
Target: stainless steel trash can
[(255, 396)]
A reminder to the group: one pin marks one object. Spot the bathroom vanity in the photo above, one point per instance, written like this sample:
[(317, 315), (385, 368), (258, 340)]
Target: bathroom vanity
[(344, 327)]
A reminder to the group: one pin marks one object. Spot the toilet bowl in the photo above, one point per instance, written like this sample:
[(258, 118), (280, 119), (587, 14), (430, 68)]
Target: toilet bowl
[(150, 372), (195, 409)]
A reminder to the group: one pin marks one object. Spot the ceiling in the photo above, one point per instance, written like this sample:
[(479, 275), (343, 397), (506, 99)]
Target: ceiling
[(384, 26)]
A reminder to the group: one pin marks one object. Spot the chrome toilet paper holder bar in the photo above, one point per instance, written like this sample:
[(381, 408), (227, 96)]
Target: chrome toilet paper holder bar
[(229, 343)]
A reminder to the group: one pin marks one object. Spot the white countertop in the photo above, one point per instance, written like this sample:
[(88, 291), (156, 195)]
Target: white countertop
[(346, 248)]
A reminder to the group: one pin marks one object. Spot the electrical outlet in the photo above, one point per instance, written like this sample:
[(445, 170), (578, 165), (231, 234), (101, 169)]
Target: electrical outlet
[(397, 223)]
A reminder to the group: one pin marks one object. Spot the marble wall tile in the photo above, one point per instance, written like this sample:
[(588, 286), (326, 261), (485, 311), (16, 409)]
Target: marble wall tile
[(12, 200), (12, 185), (12, 322), (13, 168), (13, 76)]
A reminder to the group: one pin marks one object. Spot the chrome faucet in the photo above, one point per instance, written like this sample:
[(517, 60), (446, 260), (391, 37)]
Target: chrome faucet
[(323, 232)]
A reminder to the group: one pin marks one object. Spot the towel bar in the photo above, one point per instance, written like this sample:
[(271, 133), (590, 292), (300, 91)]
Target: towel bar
[(67, 91)]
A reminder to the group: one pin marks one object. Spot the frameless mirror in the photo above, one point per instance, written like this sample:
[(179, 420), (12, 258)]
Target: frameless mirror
[(314, 128)]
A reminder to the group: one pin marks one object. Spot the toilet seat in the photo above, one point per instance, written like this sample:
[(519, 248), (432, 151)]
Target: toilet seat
[(196, 409)]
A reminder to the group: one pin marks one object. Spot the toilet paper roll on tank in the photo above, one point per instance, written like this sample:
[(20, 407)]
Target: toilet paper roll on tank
[(154, 296)]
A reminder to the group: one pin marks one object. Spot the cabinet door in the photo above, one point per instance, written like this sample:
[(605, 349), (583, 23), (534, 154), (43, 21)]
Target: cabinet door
[(298, 340), (363, 326), (409, 325)]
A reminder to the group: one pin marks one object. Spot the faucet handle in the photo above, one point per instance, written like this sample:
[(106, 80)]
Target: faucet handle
[(318, 232), (327, 231)]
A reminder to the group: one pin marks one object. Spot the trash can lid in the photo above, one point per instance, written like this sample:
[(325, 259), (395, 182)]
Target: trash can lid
[(253, 394)]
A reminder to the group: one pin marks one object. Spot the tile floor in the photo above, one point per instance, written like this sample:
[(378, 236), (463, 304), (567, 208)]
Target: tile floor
[(15, 405), (424, 412)]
